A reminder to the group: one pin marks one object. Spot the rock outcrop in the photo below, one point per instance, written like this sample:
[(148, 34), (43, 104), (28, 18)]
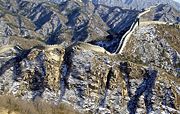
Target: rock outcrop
[(35, 70), (153, 44), (90, 78), (144, 78)]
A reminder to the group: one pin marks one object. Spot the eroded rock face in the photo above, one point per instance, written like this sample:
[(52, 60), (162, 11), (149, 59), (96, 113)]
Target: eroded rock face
[(36, 71), (43, 66), (100, 83), (149, 44), (89, 78), (144, 79)]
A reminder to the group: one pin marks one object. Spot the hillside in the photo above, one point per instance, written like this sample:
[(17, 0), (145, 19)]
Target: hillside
[(81, 57)]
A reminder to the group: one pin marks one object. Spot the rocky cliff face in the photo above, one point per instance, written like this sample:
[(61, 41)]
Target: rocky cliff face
[(90, 78), (146, 46), (31, 71), (41, 56)]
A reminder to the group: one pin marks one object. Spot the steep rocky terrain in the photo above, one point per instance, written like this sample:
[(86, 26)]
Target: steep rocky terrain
[(66, 23), (164, 13), (69, 22), (90, 78), (157, 44), (46, 23), (62, 53)]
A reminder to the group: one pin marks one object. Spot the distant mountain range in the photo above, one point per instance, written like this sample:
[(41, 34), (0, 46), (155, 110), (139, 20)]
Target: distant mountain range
[(98, 56), (133, 4), (136, 4)]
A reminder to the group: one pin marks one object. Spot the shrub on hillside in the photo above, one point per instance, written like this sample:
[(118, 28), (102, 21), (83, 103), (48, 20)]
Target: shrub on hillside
[(37, 107)]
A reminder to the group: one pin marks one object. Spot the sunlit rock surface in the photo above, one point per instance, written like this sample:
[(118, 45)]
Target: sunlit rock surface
[(63, 53)]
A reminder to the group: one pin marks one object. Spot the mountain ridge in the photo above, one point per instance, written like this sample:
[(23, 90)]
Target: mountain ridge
[(130, 4), (63, 53)]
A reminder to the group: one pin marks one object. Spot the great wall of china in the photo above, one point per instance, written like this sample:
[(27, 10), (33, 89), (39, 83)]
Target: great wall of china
[(137, 23), (122, 42)]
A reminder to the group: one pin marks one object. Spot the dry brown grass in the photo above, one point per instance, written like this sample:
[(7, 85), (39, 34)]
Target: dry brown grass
[(13, 104), (24, 43)]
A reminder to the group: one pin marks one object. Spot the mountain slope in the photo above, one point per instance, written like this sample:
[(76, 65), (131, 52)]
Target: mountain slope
[(158, 44), (90, 78), (164, 13), (137, 4), (66, 23), (61, 53), (129, 4), (70, 21), (45, 22)]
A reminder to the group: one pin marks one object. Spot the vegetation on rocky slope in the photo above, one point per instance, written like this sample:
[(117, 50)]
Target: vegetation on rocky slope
[(13, 105), (49, 64)]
